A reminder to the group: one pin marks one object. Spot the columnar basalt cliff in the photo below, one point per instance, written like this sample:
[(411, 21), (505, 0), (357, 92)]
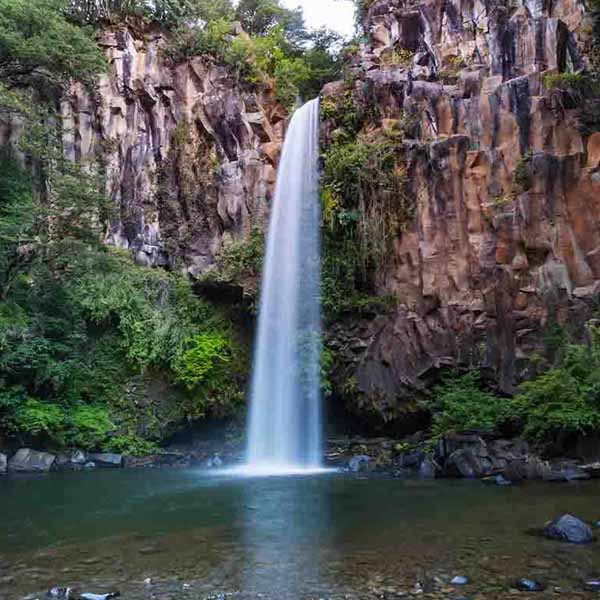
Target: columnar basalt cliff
[(506, 188), (503, 173), (189, 151)]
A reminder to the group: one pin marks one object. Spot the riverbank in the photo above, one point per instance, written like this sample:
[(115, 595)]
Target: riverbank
[(458, 455)]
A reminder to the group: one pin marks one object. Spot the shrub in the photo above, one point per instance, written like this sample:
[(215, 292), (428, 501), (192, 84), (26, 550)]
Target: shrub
[(87, 426), (461, 403), (39, 419), (204, 362)]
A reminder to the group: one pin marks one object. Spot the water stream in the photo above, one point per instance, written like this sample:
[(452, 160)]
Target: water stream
[(285, 427)]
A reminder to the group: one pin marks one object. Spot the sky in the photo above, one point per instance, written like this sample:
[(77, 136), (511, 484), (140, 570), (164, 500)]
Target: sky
[(334, 14)]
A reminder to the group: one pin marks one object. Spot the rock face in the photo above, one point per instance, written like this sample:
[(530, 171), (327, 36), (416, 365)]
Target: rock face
[(188, 151), (506, 186), (31, 461)]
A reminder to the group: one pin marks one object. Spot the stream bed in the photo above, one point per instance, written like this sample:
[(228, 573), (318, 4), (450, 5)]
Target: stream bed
[(183, 534)]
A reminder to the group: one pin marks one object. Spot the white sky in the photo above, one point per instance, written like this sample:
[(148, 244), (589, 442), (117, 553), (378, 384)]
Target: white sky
[(335, 14)]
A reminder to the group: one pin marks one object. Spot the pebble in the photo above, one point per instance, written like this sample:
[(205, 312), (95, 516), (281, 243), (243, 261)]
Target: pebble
[(460, 580), (148, 581), (529, 585)]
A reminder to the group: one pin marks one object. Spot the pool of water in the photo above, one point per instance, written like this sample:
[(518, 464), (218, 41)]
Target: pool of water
[(195, 535)]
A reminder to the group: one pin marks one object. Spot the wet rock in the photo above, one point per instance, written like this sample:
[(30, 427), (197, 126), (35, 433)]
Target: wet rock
[(427, 469), (141, 462), (470, 463), (569, 528), (459, 580), (89, 465), (592, 585), (88, 596), (359, 463), (214, 462), (592, 469), (31, 461), (530, 585), (3, 464), (58, 593), (107, 461)]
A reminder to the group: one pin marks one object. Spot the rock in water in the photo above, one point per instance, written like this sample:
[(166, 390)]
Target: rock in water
[(3, 464), (88, 596), (58, 593), (529, 585), (359, 463), (107, 461), (31, 461), (460, 580), (569, 528), (592, 585)]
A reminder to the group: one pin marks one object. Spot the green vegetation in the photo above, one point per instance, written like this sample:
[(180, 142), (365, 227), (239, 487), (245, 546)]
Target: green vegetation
[(365, 207), (86, 336), (275, 47), (239, 263), (563, 399), (522, 175), (461, 403)]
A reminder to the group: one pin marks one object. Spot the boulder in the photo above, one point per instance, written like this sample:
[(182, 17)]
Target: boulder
[(106, 461), (31, 461), (427, 469), (359, 463), (568, 528), (3, 464), (469, 463)]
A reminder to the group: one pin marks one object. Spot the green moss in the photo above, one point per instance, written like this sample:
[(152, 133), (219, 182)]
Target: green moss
[(522, 174)]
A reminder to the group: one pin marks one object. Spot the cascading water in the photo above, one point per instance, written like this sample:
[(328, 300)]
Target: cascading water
[(285, 420)]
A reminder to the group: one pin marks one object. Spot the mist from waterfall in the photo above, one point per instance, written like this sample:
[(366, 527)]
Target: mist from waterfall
[(285, 411)]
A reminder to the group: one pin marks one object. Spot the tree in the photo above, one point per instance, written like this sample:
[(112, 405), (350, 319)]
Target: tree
[(40, 47), (259, 16)]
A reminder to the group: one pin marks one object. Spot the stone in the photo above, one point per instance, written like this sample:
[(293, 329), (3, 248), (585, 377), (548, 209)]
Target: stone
[(107, 461), (89, 465), (3, 464), (427, 469), (88, 596), (78, 457), (568, 528), (459, 580), (58, 593), (214, 462), (530, 585), (31, 461), (593, 585), (359, 463)]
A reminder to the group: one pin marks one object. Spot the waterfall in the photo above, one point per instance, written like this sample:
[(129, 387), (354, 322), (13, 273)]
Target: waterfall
[(285, 413)]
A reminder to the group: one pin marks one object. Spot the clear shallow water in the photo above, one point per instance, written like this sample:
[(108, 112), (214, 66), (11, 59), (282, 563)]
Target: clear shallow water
[(325, 536)]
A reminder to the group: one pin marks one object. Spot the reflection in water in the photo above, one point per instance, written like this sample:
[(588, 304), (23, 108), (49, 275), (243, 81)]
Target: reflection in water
[(283, 538), (285, 529)]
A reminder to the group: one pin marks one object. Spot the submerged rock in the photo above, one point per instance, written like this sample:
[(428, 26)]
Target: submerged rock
[(31, 461), (530, 585), (569, 528), (107, 461), (359, 463), (58, 593)]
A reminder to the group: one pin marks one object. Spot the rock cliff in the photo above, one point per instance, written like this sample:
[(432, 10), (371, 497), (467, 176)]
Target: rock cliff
[(189, 152), (504, 173)]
